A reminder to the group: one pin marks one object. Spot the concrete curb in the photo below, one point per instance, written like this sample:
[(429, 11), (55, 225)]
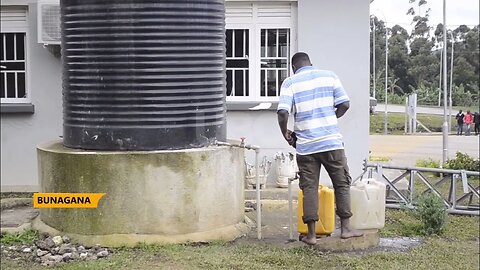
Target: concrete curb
[(9, 203), (227, 233), (19, 229), (370, 239)]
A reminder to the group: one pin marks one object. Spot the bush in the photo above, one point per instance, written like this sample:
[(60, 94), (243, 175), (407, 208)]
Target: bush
[(428, 163), (432, 213), (463, 162)]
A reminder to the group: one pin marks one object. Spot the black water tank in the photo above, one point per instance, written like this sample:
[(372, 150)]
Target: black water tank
[(143, 75)]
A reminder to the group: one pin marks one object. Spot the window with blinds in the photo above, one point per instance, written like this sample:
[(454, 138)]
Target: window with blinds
[(259, 46), (13, 56)]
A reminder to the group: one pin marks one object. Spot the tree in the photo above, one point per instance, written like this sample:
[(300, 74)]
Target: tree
[(414, 60), (398, 61)]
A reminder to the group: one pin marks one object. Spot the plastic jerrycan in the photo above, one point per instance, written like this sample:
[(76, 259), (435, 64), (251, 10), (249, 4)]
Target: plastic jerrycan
[(368, 204), (326, 212)]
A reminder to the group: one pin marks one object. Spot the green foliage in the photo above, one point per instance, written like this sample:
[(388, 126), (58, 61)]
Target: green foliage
[(414, 60), (460, 97), (428, 163), (432, 214), (25, 237), (463, 162)]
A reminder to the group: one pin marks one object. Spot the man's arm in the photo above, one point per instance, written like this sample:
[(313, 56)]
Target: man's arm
[(342, 108), (282, 122)]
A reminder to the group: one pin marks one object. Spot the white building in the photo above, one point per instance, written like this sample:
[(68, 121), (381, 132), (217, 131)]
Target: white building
[(261, 38)]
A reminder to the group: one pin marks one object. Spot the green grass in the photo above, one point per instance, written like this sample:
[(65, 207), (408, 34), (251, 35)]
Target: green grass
[(457, 248), (404, 223), (5, 195), (25, 238), (396, 123)]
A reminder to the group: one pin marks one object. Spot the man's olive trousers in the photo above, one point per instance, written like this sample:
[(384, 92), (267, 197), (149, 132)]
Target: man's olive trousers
[(335, 163)]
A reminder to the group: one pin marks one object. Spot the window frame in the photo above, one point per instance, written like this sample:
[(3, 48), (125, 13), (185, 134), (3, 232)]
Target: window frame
[(255, 24), (15, 27), (238, 26)]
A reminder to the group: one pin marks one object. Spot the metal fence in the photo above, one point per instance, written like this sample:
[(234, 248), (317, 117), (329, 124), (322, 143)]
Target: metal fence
[(458, 189)]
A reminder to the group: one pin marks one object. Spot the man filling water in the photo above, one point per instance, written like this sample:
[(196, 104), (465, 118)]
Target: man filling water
[(317, 98)]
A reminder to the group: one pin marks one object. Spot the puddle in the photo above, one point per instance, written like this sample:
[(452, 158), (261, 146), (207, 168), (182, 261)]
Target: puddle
[(399, 243)]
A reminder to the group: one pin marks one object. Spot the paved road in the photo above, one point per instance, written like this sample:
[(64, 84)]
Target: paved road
[(401, 109), (405, 150)]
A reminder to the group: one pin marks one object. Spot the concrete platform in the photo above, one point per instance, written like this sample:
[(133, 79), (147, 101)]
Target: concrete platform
[(275, 230), (334, 243)]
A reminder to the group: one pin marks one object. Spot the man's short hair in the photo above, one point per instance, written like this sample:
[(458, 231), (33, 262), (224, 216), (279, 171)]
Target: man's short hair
[(300, 58)]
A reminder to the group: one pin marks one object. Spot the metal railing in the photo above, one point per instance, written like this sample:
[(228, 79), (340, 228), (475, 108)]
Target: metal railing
[(444, 183)]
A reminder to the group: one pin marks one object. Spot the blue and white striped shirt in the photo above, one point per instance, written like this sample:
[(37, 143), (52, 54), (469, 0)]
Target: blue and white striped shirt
[(314, 94)]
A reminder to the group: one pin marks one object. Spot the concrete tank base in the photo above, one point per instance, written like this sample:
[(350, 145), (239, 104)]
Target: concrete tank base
[(151, 196)]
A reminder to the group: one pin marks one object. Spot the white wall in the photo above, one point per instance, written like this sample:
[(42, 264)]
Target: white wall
[(21, 133), (334, 33), (336, 36)]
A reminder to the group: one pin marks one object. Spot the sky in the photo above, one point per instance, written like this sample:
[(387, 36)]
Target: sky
[(458, 12)]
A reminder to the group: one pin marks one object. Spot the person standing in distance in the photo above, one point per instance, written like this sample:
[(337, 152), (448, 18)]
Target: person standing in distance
[(317, 98), (459, 117)]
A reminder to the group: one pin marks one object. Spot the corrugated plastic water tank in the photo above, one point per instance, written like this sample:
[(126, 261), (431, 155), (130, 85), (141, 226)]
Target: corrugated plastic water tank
[(143, 75)]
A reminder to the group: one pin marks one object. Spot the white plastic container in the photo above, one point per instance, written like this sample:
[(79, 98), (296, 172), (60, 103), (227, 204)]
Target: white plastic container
[(368, 204), (286, 168)]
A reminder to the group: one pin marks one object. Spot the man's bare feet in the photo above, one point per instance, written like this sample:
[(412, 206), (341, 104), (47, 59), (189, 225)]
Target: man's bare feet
[(347, 231), (311, 237), (309, 240)]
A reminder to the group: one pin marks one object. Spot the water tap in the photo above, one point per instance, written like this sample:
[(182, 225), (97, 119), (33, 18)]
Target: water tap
[(242, 143)]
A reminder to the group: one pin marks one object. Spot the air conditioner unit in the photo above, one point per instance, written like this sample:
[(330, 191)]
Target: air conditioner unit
[(48, 21)]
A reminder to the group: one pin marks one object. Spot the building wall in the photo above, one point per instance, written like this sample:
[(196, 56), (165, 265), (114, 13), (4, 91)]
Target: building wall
[(336, 36), (22, 132), (334, 33)]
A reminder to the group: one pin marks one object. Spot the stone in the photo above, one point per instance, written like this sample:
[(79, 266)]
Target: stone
[(12, 248), (45, 244), (57, 240), (27, 250), (74, 255), (102, 253), (81, 249), (83, 255), (40, 252), (55, 258), (66, 239), (67, 256), (55, 250), (66, 248)]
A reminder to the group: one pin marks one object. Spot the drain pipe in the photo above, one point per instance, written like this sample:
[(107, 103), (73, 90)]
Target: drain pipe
[(257, 178)]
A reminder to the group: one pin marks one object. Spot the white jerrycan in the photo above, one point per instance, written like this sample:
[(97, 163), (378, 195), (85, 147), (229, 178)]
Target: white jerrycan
[(368, 204)]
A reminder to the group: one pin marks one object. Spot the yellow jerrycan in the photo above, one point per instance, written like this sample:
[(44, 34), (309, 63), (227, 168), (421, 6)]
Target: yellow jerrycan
[(326, 212)]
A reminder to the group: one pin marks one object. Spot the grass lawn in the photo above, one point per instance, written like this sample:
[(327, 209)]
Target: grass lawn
[(396, 123), (458, 248)]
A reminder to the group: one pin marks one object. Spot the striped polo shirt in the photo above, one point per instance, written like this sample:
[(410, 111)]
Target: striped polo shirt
[(313, 94)]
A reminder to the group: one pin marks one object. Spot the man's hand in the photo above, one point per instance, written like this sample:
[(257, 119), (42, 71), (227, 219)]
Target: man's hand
[(282, 122), (341, 109), (288, 137)]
